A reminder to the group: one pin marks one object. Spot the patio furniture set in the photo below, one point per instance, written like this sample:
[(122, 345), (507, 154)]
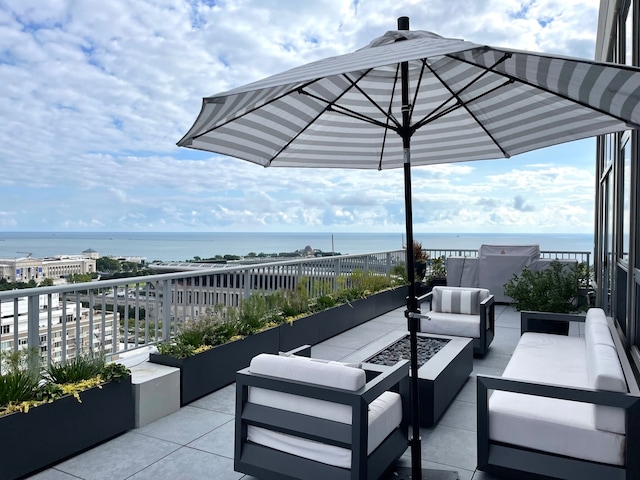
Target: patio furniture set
[(565, 406)]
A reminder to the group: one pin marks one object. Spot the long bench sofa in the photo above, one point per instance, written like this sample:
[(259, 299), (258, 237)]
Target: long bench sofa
[(565, 406)]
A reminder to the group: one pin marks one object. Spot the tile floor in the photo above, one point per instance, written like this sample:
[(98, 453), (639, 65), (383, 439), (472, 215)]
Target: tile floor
[(197, 441)]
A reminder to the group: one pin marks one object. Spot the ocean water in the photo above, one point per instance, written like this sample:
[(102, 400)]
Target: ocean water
[(185, 246)]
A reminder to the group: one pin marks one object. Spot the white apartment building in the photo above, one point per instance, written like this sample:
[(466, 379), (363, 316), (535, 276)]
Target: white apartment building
[(54, 321)]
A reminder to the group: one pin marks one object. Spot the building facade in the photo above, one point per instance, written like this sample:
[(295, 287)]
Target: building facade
[(28, 268), (617, 228)]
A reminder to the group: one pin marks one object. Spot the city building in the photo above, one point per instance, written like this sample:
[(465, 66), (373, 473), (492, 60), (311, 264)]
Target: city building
[(24, 269), (54, 318)]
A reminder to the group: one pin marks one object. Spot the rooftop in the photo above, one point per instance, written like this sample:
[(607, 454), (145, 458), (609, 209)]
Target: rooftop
[(197, 441)]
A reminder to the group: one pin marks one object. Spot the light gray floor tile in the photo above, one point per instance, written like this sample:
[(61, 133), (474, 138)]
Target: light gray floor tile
[(460, 415), (119, 458), (223, 400), (188, 463), (450, 446), (468, 393), (218, 441), (52, 474), (185, 425), (328, 352)]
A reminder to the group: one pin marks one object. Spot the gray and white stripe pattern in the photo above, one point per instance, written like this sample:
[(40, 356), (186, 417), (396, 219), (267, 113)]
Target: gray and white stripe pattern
[(470, 102)]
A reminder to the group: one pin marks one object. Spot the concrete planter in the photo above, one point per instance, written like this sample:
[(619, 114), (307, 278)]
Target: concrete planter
[(54, 431)]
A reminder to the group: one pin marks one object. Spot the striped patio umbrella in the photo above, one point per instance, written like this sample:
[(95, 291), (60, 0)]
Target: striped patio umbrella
[(415, 98)]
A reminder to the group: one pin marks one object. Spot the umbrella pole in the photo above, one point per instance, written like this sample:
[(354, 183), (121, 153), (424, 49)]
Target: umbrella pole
[(413, 308), (412, 300)]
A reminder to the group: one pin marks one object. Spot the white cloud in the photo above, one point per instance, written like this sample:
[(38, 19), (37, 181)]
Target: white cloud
[(96, 94)]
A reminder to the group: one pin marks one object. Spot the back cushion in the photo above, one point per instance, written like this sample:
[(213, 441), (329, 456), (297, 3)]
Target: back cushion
[(303, 369), (458, 300), (306, 370), (604, 371)]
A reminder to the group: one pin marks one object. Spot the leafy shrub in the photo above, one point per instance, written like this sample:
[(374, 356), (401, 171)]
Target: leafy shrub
[(83, 367), (24, 384), (553, 289), (261, 310)]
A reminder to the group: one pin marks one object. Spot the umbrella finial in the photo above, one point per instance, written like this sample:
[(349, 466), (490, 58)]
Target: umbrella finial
[(403, 23)]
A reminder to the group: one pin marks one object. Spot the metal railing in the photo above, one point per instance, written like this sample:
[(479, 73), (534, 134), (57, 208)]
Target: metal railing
[(118, 316)]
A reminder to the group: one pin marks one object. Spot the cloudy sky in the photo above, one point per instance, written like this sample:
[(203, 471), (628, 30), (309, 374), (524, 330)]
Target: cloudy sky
[(95, 95)]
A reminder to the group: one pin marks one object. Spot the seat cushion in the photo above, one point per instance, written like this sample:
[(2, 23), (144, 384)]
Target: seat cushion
[(385, 415), (453, 324), (547, 424)]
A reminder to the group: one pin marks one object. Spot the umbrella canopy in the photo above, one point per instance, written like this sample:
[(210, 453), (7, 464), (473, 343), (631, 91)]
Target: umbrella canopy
[(468, 102), (415, 98)]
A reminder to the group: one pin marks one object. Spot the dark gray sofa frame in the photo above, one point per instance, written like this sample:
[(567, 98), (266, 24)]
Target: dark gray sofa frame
[(519, 462), (487, 317), (270, 464)]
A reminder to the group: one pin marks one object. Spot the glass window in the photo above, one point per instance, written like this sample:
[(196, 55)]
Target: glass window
[(629, 36), (626, 197)]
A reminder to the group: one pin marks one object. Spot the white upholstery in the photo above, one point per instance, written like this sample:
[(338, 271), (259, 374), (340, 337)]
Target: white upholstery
[(454, 324), (604, 370), (304, 369), (447, 315), (385, 412), (552, 425)]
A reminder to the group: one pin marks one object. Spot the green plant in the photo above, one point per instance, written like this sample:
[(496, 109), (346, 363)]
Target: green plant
[(438, 269), (82, 367), (114, 372), (553, 289)]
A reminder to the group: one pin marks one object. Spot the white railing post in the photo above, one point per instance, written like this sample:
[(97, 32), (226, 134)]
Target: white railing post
[(33, 322)]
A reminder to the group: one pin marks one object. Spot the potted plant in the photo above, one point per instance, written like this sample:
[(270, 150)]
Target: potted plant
[(209, 350), (553, 289), (437, 273), (82, 402), (420, 258)]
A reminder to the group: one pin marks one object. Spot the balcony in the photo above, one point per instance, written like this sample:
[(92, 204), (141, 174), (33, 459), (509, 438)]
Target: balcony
[(197, 441)]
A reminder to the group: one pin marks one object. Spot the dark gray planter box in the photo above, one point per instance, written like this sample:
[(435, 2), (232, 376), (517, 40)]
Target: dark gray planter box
[(321, 326), (55, 431), (211, 370)]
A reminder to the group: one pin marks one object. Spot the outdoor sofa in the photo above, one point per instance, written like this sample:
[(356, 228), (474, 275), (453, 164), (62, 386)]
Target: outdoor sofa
[(304, 418), (565, 407), (461, 312)]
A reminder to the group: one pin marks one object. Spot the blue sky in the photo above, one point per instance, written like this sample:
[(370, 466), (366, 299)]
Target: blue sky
[(96, 94)]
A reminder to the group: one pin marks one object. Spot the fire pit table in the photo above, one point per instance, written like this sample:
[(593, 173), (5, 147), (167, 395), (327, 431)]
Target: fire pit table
[(445, 365)]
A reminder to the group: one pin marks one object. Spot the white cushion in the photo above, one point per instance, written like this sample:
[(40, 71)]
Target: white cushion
[(596, 315), (454, 324), (385, 414), (464, 300), (604, 370), (303, 369), (547, 424)]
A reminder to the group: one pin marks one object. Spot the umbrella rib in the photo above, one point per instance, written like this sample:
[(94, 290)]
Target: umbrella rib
[(433, 115), (384, 136), (555, 93), (330, 106), (253, 109)]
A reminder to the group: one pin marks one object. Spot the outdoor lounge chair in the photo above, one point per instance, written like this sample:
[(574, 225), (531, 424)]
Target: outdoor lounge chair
[(302, 418), (461, 312)]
